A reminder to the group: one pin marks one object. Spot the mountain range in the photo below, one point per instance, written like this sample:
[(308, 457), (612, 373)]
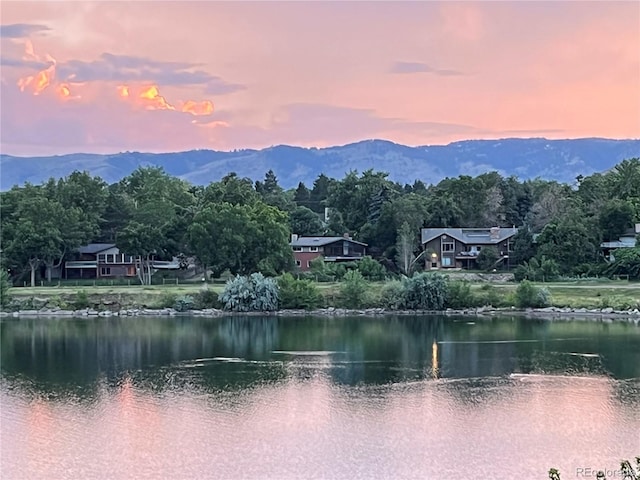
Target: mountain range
[(525, 158)]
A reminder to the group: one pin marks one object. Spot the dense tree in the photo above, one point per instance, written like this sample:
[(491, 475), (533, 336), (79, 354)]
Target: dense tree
[(616, 216), (567, 242), (230, 223), (241, 238), (303, 221)]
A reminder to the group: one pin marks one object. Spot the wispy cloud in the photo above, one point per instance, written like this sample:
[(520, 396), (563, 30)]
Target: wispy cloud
[(21, 30), (24, 63), (126, 68), (419, 67)]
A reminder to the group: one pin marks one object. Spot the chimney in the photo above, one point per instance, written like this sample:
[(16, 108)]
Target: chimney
[(495, 233), (294, 237), (347, 236)]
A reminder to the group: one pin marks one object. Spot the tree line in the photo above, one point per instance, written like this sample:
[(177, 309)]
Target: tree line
[(242, 226)]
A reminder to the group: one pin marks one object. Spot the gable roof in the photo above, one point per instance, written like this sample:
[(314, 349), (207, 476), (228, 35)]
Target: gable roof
[(95, 247), (479, 236), (320, 241)]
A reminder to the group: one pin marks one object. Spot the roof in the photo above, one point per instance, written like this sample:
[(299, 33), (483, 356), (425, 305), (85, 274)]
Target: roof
[(477, 236), (96, 247), (320, 241), (623, 242)]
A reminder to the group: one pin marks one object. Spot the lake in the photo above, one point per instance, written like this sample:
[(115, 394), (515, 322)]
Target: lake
[(290, 398)]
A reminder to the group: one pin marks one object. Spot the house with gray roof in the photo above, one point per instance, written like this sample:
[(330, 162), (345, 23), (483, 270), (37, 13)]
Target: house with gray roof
[(460, 247), (104, 260), (626, 240), (331, 249)]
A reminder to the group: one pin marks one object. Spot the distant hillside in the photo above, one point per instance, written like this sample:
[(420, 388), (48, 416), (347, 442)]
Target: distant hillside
[(561, 160)]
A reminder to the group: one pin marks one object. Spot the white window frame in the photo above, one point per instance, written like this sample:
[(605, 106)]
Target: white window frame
[(297, 249), (313, 249), (298, 263)]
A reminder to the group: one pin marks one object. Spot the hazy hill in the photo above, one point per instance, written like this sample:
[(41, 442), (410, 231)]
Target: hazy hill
[(561, 160)]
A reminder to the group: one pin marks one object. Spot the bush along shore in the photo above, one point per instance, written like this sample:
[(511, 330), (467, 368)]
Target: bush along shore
[(422, 294)]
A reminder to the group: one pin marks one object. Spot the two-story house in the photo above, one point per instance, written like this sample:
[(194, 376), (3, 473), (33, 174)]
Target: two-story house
[(460, 247), (104, 260), (331, 249)]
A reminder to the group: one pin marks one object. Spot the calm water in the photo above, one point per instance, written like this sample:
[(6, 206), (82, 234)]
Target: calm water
[(279, 398)]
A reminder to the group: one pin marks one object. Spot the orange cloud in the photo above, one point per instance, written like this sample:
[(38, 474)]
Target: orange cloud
[(197, 108), (40, 81), (149, 98)]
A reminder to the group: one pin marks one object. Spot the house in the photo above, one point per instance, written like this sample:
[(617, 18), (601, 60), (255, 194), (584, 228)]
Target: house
[(100, 260), (331, 249), (104, 260), (627, 240), (459, 247)]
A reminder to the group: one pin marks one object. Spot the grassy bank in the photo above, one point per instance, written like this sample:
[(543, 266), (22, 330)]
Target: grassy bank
[(577, 294)]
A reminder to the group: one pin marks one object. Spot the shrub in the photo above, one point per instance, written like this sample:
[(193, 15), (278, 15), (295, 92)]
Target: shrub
[(253, 293), (487, 258), (392, 295), (354, 289), (459, 295), (5, 285), (425, 291), (206, 299), (82, 300), (529, 296), (184, 303), (371, 269), (166, 300), (294, 293), (489, 295)]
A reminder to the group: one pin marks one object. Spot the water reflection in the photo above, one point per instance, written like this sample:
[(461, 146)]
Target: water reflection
[(428, 397)]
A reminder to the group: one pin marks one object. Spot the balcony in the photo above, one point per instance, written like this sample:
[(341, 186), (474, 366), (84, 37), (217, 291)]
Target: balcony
[(82, 264)]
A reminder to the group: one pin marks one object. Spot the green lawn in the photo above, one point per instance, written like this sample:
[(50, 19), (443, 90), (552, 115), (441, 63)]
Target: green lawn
[(587, 294)]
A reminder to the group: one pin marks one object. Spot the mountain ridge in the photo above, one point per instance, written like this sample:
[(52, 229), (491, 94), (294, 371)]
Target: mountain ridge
[(560, 160)]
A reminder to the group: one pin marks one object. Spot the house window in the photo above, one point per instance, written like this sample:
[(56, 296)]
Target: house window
[(313, 249), (111, 258), (298, 263), (104, 271), (297, 249), (308, 263), (102, 258), (448, 246), (446, 261), (434, 264)]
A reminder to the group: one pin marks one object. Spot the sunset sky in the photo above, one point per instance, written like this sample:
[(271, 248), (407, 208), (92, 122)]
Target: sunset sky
[(166, 76)]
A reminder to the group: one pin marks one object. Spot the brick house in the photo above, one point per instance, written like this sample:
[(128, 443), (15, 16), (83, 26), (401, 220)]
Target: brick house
[(331, 249), (459, 247)]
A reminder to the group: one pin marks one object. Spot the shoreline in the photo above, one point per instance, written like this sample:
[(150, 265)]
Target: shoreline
[(549, 313)]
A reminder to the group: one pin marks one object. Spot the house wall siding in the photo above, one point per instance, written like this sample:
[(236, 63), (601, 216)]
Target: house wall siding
[(304, 258)]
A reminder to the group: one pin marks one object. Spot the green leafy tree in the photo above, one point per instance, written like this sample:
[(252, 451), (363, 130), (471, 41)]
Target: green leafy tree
[(5, 286), (488, 258), (569, 242), (371, 269), (298, 293), (304, 221), (241, 238), (523, 246), (354, 290), (615, 217), (425, 291), (627, 262)]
